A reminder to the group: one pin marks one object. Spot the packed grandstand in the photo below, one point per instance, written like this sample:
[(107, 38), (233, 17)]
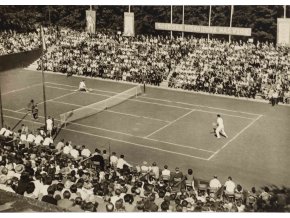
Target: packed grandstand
[(77, 179), (238, 69)]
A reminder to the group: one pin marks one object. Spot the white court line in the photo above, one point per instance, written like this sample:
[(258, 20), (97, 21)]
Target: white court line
[(17, 90), (76, 86), (115, 112), (242, 112), (160, 105), (184, 115), (165, 105), (178, 145), (177, 102), (73, 90), (121, 133), (133, 115), (197, 105), (118, 140), (229, 115), (232, 139), (49, 100)]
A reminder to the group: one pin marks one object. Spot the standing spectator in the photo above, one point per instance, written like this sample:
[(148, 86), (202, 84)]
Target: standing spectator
[(30, 138), (98, 159), (121, 162), (177, 179), (48, 140), (155, 170), (106, 159), (214, 184), (229, 186), (275, 96), (189, 180), (24, 129), (85, 152), (60, 145), (113, 160), (49, 125), (165, 174)]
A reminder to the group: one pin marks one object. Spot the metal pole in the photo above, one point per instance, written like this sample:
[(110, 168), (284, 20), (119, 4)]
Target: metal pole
[(43, 90), (129, 8), (183, 20), (171, 21), (49, 15), (232, 11), (209, 19), (1, 109), (284, 11)]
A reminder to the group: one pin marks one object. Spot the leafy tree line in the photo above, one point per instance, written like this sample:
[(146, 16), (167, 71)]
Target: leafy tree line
[(262, 19)]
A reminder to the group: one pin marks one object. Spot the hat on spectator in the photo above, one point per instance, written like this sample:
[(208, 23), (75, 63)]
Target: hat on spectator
[(3, 179), (144, 162), (19, 168)]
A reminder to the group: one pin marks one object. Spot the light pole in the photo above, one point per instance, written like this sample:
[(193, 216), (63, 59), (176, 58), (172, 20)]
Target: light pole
[(1, 109)]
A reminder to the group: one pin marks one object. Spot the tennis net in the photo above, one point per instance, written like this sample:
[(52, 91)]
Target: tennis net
[(94, 108)]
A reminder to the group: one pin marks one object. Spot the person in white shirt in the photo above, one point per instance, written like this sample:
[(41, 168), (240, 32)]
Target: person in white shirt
[(60, 145), (38, 139), (121, 162), (220, 127), (8, 132), (85, 152), (83, 87), (214, 184), (2, 131), (74, 153), (67, 149), (165, 173), (229, 186), (47, 141), (23, 137), (113, 160), (155, 170), (49, 125), (30, 138)]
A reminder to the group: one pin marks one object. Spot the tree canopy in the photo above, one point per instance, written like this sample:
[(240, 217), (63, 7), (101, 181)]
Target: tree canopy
[(262, 19)]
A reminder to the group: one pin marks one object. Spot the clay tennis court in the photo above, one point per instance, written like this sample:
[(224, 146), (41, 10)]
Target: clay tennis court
[(167, 126)]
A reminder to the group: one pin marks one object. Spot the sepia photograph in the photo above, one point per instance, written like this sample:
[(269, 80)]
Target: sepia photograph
[(144, 107)]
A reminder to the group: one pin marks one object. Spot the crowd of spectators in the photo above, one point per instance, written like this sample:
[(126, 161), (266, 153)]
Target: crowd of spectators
[(76, 179), (14, 42), (238, 69), (135, 59)]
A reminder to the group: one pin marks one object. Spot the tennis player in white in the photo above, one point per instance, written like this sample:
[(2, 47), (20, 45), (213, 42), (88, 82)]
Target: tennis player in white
[(83, 87), (220, 127)]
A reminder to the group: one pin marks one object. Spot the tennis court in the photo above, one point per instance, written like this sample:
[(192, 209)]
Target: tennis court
[(169, 127)]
